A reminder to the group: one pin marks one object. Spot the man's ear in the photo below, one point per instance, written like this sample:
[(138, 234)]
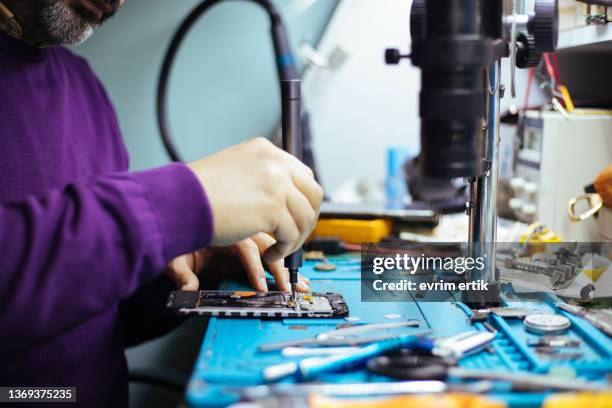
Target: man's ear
[(8, 23)]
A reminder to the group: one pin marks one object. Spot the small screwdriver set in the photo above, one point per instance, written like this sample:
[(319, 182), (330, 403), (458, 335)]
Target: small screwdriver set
[(445, 343)]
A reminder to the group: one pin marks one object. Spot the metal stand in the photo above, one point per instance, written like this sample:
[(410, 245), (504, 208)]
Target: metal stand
[(482, 207)]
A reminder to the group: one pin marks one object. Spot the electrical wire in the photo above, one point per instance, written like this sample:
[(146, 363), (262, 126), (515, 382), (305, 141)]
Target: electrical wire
[(285, 67)]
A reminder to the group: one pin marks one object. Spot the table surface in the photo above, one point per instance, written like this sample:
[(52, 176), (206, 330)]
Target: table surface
[(229, 358)]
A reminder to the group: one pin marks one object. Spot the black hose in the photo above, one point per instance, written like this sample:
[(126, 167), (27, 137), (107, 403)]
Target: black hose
[(285, 66)]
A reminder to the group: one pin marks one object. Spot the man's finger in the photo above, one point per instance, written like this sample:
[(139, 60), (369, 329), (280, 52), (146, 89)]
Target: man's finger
[(249, 255), (294, 226), (181, 273), (287, 236), (303, 215), (277, 268), (303, 284), (263, 241), (309, 188), (281, 275)]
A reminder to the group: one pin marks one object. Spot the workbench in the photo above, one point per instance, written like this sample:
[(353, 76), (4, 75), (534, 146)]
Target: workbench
[(229, 358)]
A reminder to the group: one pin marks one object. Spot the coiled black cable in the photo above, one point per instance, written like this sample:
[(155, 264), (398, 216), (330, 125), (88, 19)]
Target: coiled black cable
[(284, 62)]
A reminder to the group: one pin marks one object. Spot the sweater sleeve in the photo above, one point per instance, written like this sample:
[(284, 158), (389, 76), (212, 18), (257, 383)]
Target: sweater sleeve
[(72, 254)]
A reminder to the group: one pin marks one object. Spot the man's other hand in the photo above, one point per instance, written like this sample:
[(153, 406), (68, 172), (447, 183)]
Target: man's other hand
[(183, 270)]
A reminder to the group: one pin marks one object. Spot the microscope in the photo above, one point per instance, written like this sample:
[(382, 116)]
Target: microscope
[(458, 45)]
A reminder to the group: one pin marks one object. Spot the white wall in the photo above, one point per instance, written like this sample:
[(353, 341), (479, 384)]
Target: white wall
[(224, 87), (365, 106)]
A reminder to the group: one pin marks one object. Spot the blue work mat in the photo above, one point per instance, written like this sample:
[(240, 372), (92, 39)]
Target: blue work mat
[(229, 358)]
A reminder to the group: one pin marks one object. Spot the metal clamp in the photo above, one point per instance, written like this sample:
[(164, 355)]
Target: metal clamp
[(595, 204)]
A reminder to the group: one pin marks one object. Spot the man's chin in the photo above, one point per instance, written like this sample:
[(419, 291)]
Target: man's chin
[(65, 25)]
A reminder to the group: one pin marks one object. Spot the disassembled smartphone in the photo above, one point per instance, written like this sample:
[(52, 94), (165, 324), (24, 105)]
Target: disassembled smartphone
[(257, 305)]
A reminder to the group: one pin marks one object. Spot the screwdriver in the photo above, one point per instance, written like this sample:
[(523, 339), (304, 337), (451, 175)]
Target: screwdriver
[(292, 143)]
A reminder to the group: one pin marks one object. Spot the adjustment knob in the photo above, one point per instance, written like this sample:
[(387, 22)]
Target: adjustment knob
[(544, 25), (417, 20), (393, 56), (527, 55)]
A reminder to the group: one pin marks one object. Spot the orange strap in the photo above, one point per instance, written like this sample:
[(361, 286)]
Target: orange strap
[(603, 186)]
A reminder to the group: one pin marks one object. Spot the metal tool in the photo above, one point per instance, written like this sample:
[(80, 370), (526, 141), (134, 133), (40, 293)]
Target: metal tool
[(312, 367), (414, 367), (462, 344), (450, 347), (359, 389), (481, 315), (489, 327), (345, 390), (292, 143), (553, 341), (337, 337), (318, 351), (364, 328), (510, 312), (602, 319), (594, 204), (552, 353), (331, 342), (546, 323), (527, 380)]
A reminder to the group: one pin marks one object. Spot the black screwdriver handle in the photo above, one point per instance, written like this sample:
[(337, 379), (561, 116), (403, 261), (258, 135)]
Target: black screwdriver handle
[(291, 100)]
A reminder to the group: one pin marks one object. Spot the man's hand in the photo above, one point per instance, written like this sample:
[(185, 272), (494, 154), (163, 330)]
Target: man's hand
[(256, 187), (183, 270)]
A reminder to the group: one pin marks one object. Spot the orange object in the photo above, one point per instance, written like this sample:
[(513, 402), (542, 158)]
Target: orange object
[(603, 186), (353, 231), (242, 295), (452, 400), (579, 400)]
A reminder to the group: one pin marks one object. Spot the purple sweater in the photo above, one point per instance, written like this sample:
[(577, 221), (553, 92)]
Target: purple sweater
[(79, 234)]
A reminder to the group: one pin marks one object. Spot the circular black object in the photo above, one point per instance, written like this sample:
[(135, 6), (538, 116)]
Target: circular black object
[(527, 55), (392, 56), (586, 293), (417, 20), (453, 56), (409, 367), (545, 25)]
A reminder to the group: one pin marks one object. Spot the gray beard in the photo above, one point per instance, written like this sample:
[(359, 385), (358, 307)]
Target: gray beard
[(63, 25)]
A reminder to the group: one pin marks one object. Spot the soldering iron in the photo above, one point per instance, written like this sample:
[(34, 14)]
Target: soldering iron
[(295, 126), (292, 143)]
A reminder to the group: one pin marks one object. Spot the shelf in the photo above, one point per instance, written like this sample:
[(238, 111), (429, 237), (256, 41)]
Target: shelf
[(592, 36)]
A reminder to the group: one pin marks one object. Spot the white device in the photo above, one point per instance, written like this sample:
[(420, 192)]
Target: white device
[(560, 156)]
